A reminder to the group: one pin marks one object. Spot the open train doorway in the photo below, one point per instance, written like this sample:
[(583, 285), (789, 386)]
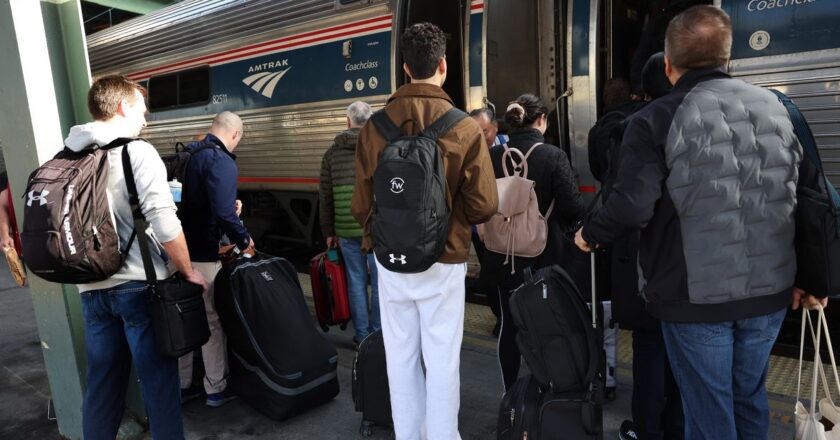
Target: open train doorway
[(450, 16)]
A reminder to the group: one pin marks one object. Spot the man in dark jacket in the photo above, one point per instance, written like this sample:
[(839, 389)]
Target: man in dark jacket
[(423, 313), (210, 209), (338, 177), (709, 172)]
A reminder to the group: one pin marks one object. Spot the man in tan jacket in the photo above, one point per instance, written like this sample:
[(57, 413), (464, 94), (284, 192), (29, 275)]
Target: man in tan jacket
[(424, 312)]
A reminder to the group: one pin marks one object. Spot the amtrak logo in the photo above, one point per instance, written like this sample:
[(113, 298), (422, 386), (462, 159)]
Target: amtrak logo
[(397, 185), (39, 197), (401, 259), (264, 83), (267, 276)]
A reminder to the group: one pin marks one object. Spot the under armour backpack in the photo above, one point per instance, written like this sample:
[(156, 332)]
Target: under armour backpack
[(69, 229), (517, 228), (410, 221)]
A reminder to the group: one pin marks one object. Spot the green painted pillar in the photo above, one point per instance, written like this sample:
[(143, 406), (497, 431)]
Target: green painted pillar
[(44, 80)]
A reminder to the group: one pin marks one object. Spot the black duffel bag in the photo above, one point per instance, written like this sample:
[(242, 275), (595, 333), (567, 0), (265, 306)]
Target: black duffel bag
[(817, 220), (176, 305)]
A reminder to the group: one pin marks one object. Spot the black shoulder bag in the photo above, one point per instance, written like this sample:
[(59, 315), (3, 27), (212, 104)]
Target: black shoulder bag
[(817, 219), (175, 304)]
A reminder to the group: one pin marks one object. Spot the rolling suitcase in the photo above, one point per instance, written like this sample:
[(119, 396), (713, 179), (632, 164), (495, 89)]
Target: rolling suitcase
[(561, 340), (371, 392), (329, 289), (280, 363)]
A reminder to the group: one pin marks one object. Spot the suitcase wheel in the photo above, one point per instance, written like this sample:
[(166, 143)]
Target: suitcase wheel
[(343, 326), (366, 429), (325, 328)]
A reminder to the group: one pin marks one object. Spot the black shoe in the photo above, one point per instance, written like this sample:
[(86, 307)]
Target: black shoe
[(609, 394), (497, 328), (191, 393), (627, 431)]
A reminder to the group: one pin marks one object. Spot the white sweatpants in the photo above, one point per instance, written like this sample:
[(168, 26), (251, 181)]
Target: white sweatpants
[(424, 313)]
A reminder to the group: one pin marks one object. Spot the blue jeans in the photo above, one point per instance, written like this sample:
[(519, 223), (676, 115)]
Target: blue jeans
[(657, 409), (357, 266), (118, 330), (720, 369)]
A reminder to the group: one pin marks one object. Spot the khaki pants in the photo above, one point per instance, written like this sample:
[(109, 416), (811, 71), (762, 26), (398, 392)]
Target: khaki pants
[(214, 352)]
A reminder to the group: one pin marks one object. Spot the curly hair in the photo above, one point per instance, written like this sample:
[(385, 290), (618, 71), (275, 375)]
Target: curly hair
[(422, 46)]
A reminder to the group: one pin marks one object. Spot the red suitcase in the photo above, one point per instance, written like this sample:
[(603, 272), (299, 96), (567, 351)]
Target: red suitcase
[(329, 290)]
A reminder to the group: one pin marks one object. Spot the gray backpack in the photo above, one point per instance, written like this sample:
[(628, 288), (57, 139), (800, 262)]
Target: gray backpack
[(410, 221)]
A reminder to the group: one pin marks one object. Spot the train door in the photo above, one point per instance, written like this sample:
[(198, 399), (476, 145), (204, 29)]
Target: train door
[(523, 52), (451, 16)]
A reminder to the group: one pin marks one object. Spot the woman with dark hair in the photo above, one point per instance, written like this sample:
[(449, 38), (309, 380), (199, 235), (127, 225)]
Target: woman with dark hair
[(555, 181)]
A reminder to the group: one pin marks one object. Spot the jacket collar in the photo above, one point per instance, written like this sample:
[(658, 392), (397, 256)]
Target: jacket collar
[(525, 137), (696, 76), (412, 90), (211, 139)]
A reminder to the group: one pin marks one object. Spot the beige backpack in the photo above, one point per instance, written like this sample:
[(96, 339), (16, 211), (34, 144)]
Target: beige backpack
[(517, 229)]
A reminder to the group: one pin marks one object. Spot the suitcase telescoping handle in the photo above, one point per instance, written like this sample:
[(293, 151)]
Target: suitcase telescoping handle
[(594, 297)]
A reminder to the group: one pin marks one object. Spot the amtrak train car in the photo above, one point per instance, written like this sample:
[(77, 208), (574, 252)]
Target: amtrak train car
[(290, 68)]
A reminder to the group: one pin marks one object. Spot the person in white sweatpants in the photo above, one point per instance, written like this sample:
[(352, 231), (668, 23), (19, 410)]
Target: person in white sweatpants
[(424, 314)]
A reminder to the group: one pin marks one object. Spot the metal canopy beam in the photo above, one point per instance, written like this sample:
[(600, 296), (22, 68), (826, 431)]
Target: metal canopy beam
[(135, 6)]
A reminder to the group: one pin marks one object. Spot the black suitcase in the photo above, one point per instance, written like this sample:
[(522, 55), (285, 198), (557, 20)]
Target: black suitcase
[(280, 363), (519, 411), (528, 412), (371, 393), (561, 340)]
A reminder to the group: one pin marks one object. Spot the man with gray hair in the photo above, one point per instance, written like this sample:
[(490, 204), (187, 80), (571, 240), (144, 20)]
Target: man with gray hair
[(338, 178), (709, 174), (209, 208)]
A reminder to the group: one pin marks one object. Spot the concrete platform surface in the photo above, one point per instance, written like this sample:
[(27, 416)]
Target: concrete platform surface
[(24, 392)]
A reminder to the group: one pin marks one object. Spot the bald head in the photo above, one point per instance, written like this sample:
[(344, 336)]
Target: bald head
[(227, 126)]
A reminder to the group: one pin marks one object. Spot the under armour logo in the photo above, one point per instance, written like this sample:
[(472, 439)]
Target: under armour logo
[(394, 259), (267, 276), (397, 185), (33, 196)]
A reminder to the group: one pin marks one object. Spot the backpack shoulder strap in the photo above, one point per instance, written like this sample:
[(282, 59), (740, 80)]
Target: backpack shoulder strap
[(443, 124), (531, 150), (809, 145), (119, 142), (385, 125)]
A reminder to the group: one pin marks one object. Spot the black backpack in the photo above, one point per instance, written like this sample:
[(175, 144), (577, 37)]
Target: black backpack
[(176, 168), (69, 230), (561, 344), (410, 222)]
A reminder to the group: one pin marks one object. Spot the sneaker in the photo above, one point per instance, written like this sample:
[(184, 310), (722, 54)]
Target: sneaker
[(191, 393), (627, 431), (216, 400)]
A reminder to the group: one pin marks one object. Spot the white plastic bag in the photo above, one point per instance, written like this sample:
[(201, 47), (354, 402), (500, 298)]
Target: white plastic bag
[(808, 424)]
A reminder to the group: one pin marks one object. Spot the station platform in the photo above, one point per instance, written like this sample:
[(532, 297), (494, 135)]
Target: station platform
[(25, 393)]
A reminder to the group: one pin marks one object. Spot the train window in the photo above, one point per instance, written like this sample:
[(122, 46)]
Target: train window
[(194, 86), (189, 87), (163, 92)]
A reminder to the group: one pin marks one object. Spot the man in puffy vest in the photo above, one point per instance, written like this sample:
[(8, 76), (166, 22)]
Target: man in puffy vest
[(423, 313), (118, 327), (709, 173), (338, 177)]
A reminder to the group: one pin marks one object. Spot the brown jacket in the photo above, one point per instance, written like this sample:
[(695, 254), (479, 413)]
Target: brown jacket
[(470, 182)]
